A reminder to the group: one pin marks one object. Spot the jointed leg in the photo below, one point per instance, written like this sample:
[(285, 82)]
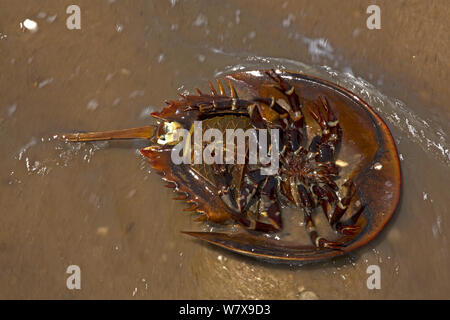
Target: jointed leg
[(248, 190), (308, 206), (327, 143), (287, 90), (296, 126), (334, 208), (318, 241), (270, 202)]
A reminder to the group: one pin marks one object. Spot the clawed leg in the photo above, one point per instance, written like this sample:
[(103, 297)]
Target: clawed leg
[(326, 144), (252, 182), (341, 206), (271, 207), (317, 240), (349, 228), (334, 209), (296, 127), (308, 206), (287, 90)]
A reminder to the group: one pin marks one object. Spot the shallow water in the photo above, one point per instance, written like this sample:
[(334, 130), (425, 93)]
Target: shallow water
[(99, 206)]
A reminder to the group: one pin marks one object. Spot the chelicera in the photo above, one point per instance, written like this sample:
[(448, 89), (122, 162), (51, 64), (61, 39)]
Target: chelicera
[(330, 145)]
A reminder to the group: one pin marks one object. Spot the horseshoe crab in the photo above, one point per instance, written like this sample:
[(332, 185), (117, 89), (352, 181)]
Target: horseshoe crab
[(336, 158)]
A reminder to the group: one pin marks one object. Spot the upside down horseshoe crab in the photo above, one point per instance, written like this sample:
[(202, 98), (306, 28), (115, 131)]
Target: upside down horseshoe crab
[(337, 158)]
